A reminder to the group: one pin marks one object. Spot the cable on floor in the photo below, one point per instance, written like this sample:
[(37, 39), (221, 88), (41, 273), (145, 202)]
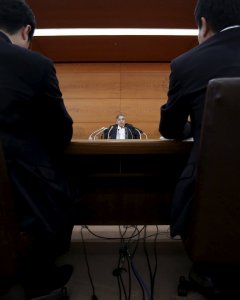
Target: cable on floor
[(94, 297)]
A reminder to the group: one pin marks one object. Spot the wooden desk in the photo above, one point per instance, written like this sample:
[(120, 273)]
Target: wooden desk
[(125, 182)]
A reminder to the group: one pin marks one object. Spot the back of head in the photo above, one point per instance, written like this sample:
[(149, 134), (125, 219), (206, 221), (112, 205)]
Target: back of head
[(15, 14), (218, 13)]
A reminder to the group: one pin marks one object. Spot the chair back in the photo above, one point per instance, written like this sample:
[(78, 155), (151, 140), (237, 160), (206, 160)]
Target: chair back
[(214, 235)]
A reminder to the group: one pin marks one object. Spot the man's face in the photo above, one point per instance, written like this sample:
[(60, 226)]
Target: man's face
[(121, 121)]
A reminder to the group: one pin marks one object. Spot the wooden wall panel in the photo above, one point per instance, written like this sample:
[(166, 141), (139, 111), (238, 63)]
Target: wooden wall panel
[(90, 85), (77, 68), (146, 110), (144, 85), (93, 110), (95, 93), (150, 128), (83, 130), (144, 67)]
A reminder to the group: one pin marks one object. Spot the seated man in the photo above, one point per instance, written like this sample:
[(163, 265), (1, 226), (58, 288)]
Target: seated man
[(122, 130), (35, 128)]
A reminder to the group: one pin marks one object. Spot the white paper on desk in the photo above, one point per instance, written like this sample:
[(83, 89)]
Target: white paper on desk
[(186, 140)]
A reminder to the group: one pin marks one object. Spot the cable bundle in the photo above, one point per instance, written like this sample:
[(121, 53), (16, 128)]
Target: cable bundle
[(126, 265)]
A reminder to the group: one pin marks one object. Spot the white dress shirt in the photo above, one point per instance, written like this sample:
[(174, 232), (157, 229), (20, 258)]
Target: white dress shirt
[(120, 133)]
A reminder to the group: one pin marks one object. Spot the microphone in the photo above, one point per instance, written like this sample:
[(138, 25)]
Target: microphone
[(96, 131), (109, 132), (139, 130), (99, 132)]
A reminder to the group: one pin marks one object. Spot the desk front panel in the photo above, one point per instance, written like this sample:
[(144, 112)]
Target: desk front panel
[(131, 188)]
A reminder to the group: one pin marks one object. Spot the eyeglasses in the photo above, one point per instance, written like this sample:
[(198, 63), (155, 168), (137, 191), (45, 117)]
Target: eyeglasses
[(121, 119)]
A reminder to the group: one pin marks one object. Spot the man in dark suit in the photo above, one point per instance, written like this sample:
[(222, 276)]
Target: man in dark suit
[(34, 130), (218, 55), (122, 130)]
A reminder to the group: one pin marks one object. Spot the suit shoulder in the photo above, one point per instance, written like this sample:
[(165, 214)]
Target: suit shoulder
[(195, 54), (39, 58), (31, 57), (181, 59)]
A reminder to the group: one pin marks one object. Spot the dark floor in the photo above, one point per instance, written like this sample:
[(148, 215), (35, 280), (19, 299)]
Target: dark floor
[(103, 257)]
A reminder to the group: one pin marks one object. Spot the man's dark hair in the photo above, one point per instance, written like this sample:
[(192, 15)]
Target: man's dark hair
[(218, 13), (14, 14)]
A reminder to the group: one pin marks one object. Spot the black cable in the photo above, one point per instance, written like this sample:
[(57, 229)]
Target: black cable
[(120, 231), (136, 274), (123, 286), (152, 274), (129, 279), (137, 242), (122, 259), (87, 264), (141, 282), (119, 288), (130, 258), (117, 238), (156, 262), (148, 261), (121, 267), (132, 236), (146, 252), (104, 237), (117, 273), (124, 252)]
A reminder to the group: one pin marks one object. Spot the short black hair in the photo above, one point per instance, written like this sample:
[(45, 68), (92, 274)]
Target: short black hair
[(14, 14), (218, 13)]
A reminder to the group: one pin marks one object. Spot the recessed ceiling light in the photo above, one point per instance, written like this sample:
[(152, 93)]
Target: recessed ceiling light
[(115, 32)]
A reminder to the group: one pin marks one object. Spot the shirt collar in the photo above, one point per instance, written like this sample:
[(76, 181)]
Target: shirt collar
[(5, 37), (230, 27)]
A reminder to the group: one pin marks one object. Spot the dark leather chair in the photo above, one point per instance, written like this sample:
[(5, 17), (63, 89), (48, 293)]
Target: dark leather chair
[(214, 235)]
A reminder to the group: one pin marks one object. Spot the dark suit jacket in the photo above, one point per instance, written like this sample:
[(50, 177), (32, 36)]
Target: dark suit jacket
[(219, 56), (130, 131), (34, 129)]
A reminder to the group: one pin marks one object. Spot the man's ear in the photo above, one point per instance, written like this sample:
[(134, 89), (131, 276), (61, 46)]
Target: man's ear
[(25, 32), (205, 31), (205, 28)]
